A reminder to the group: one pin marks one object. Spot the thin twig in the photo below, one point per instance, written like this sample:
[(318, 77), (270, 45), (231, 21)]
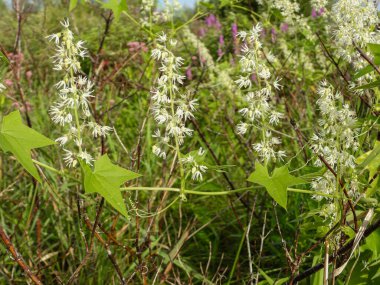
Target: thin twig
[(366, 57), (17, 257), (330, 57), (340, 252)]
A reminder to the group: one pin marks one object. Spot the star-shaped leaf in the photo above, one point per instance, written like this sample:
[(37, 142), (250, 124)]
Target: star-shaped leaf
[(19, 139), (106, 180), (277, 184)]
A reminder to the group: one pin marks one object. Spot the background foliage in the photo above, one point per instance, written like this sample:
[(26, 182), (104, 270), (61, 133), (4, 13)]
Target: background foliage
[(241, 238)]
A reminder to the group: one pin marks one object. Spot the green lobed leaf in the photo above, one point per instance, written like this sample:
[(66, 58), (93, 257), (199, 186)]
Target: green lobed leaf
[(19, 139), (372, 243), (374, 48), (73, 5), (117, 7), (316, 172), (370, 161), (277, 184), (106, 180)]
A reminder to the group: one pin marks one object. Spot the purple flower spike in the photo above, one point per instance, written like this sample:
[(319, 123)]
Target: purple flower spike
[(189, 74), (210, 20), (321, 11), (201, 32), (221, 40), (218, 25), (284, 27), (274, 35), (314, 13), (263, 33), (234, 30), (220, 52)]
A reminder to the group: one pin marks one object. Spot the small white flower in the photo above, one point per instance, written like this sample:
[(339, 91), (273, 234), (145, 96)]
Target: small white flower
[(80, 44), (275, 117), (157, 133), (162, 38), (242, 35), (2, 87), (78, 142), (69, 158), (62, 140), (98, 130), (280, 155), (158, 152), (188, 159), (54, 37), (65, 23), (81, 80), (196, 172), (242, 128), (276, 84), (201, 151), (243, 82), (264, 73), (86, 157)]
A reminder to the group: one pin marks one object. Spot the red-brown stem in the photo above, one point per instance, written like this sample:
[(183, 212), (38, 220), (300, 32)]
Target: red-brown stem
[(17, 257)]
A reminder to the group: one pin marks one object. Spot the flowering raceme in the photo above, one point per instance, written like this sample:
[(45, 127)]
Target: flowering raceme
[(353, 29), (172, 108), (337, 137), (288, 9), (259, 112), (335, 142), (146, 11), (296, 21), (203, 52), (218, 76), (71, 109)]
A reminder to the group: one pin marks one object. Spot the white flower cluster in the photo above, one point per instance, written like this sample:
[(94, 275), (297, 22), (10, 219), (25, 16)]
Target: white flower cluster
[(291, 12), (318, 4), (337, 137), (71, 110), (259, 112), (329, 212), (194, 161), (326, 184), (146, 11), (355, 21), (218, 76), (171, 108), (171, 7), (335, 142), (301, 58), (2, 87), (203, 52), (287, 8), (149, 15)]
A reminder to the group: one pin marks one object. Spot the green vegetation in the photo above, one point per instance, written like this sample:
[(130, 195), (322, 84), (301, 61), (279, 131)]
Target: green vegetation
[(236, 142)]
